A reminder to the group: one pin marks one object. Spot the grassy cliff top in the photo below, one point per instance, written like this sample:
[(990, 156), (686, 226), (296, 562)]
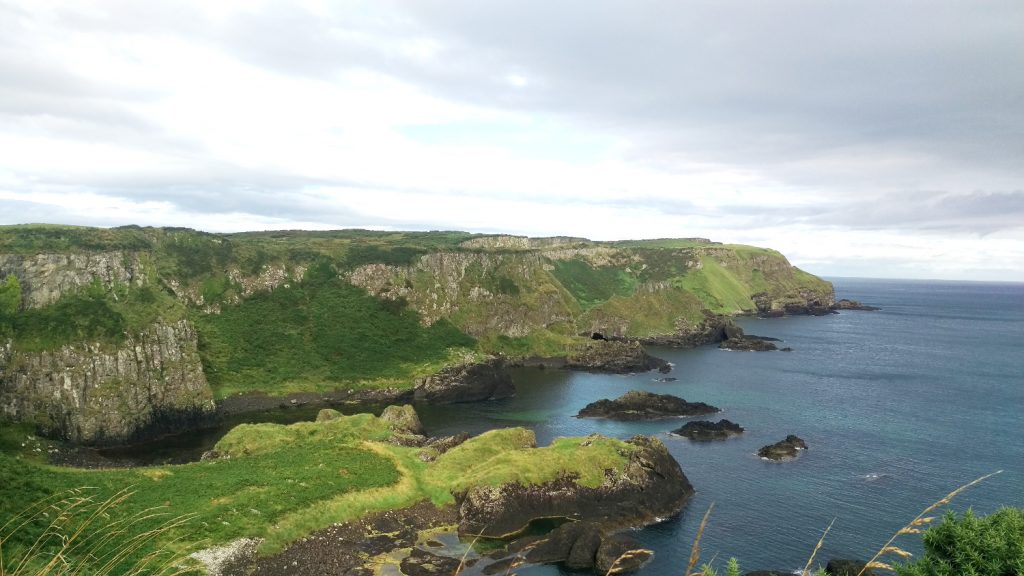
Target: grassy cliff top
[(288, 311)]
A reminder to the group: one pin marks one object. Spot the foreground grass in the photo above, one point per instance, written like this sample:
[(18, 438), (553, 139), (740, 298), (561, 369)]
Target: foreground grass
[(281, 483)]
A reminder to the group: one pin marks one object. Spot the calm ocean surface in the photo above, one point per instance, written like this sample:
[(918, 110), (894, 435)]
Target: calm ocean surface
[(898, 407)]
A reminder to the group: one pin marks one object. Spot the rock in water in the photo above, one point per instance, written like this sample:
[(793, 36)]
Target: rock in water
[(705, 430), (639, 405), (471, 382), (845, 304), (749, 344), (783, 449)]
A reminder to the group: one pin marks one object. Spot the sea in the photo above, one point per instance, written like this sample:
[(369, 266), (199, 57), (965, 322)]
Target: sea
[(898, 407)]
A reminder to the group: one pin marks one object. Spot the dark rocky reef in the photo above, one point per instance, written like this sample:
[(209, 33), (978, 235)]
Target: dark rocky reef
[(842, 567), (783, 449), (650, 486), (845, 304), (750, 344), (705, 430), (579, 546), (615, 357), (470, 382), (639, 405)]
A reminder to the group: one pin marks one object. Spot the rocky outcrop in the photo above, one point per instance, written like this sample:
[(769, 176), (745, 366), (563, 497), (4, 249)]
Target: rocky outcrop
[(579, 546), (638, 405), (750, 344), (615, 357), (705, 430), (783, 449), (100, 394), (44, 278), (806, 303), (845, 304), (649, 487), (469, 382), (710, 330)]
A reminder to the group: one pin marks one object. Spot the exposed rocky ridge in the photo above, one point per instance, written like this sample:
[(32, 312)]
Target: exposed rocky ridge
[(749, 344), (579, 546), (639, 405), (650, 486), (483, 292), (616, 357), (709, 330), (705, 430), (784, 449), (468, 382), (44, 278), (93, 393)]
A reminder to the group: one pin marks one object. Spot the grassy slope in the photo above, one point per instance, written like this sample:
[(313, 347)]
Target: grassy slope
[(321, 334), (282, 482)]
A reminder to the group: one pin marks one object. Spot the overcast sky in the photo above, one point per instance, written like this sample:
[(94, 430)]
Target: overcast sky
[(871, 138)]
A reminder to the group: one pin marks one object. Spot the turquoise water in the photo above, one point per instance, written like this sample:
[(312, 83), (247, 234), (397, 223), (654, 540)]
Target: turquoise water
[(898, 407)]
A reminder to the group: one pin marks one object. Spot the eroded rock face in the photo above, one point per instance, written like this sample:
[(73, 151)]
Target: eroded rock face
[(783, 449), (639, 405), (705, 430), (650, 486), (97, 394), (469, 382), (44, 278), (615, 357), (711, 329)]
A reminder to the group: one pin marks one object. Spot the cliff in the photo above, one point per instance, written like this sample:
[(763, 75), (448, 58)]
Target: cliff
[(146, 322), (95, 393)]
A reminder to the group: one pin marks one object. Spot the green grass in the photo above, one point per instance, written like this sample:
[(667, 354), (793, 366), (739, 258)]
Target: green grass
[(589, 285), (283, 482), (718, 289), (646, 313), (318, 335), (540, 342), (231, 498)]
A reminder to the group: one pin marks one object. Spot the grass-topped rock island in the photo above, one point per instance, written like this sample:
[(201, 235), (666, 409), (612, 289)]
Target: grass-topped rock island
[(111, 336)]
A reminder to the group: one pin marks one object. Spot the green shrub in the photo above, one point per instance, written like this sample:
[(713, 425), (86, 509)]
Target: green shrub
[(972, 546)]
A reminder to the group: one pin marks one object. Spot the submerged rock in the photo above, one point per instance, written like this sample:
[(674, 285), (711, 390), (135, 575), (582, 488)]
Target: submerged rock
[(705, 430), (783, 449), (639, 405), (650, 486), (616, 357), (470, 382)]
